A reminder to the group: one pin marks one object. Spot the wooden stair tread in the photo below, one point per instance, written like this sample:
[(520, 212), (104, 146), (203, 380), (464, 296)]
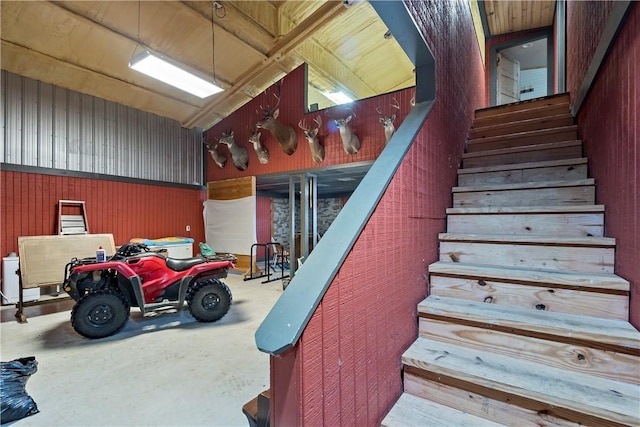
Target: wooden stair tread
[(526, 239), (617, 335), (527, 165), (521, 275), (525, 122), (411, 410), (523, 148), (508, 210), (525, 185), (525, 134), (586, 397)]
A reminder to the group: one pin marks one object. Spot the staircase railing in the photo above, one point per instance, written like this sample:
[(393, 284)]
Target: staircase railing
[(288, 318)]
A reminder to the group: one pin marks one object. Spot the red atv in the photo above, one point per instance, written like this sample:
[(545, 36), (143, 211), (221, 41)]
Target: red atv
[(134, 276)]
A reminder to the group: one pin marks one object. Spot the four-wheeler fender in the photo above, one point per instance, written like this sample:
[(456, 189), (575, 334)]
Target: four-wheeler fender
[(123, 270), (217, 270)]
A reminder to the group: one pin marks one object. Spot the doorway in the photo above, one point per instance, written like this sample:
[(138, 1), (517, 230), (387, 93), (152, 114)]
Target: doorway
[(522, 68)]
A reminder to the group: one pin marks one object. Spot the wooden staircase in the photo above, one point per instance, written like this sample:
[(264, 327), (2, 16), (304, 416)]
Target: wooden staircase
[(526, 322)]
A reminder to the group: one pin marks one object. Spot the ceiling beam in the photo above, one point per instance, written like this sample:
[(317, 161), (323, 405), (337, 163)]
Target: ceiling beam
[(305, 29), (236, 22)]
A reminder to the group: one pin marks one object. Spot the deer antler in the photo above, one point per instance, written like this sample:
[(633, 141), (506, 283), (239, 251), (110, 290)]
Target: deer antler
[(268, 110), (395, 104), (303, 125)]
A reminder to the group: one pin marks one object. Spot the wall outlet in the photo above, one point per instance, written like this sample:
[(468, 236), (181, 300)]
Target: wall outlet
[(188, 228)]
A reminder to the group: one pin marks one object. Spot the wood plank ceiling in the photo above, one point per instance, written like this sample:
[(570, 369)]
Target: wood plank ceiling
[(505, 17), (85, 46)]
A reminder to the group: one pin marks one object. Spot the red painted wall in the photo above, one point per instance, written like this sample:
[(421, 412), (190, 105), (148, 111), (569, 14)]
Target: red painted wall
[(365, 125), (29, 208), (346, 369), (263, 222), (609, 121), (585, 23)]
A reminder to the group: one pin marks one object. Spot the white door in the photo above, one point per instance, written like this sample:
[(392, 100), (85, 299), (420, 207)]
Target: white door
[(508, 84)]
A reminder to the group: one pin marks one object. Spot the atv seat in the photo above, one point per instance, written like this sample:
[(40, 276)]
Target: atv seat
[(183, 264)]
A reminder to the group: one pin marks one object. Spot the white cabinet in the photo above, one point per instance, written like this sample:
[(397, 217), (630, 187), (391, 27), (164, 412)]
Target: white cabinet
[(180, 250), (11, 283)]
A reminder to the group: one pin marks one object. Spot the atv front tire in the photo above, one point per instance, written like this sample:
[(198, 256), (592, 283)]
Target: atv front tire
[(100, 313), (209, 300)]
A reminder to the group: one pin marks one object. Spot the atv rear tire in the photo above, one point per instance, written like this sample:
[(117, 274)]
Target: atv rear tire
[(209, 300), (100, 313)]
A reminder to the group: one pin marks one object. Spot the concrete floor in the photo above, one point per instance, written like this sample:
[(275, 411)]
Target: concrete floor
[(163, 370)]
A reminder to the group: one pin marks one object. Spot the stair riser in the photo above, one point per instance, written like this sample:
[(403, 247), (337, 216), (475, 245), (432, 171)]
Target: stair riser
[(561, 101), (567, 258), (479, 405), (411, 410), (516, 176), (559, 153), (518, 116), (549, 298), (506, 129), (568, 224), (473, 146), (575, 358), (554, 196)]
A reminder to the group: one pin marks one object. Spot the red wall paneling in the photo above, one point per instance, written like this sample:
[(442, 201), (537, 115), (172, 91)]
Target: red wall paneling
[(365, 125), (609, 122), (346, 368), (585, 23), (127, 210)]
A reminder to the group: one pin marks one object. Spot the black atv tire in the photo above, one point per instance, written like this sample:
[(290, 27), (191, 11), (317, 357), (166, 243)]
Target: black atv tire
[(209, 300), (100, 313)]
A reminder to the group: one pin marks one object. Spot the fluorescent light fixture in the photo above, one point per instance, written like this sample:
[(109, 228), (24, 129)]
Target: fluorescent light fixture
[(338, 97), (159, 68)]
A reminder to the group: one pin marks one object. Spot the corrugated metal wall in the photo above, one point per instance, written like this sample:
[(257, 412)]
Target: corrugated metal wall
[(50, 127)]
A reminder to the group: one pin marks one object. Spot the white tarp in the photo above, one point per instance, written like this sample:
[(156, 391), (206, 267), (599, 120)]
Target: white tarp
[(230, 225)]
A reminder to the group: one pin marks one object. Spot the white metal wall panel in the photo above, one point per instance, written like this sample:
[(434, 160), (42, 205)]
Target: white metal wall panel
[(45, 126), (59, 128), (29, 123), (87, 143), (51, 127), (13, 94), (99, 136), (73, 131)]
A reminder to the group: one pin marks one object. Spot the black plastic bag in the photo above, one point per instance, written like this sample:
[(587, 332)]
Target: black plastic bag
[(15, 401)]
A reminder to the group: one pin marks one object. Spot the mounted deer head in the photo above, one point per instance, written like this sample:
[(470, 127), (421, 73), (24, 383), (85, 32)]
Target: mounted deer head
[(286, 135), (387, 121), (350, 141), (218, 159), (239, 154), (261, 150), (317, 150)]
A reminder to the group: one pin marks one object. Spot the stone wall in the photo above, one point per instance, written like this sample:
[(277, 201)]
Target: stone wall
[(327, 211)]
